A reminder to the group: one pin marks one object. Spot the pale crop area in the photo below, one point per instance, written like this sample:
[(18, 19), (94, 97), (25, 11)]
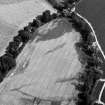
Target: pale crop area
[(17, 15), (23, 11), (45, 68)]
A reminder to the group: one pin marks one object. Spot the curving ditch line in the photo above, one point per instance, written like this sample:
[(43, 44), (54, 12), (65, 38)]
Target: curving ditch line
[(92, 58)]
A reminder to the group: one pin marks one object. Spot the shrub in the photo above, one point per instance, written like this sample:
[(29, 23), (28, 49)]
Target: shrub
[(35, 23), (25, 35), (17, 39), (14, 45), (39, 17), (1, 74), (12, 52), (28, 28), (7, 63), (54, 16), (12, 49), (46, 17)]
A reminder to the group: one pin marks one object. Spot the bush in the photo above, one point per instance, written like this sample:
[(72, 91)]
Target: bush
[(12, 52), (7, 63), (14, 45), (35, 23), (46, 17), (12, 49), (29, 28), (25, 35), (54, 16), (73, 1), (39, 17), (1, 74), (17, 39)]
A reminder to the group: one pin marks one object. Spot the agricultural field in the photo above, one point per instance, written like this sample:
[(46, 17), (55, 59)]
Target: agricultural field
[(53, 64)]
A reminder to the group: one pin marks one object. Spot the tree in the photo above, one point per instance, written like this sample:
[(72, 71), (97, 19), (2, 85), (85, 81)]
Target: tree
[(54, 16), (29, 28), (39, 18), (17, 39), (1, 74), (14, 45), (12, 52), (25, 35), (12, 49), (35, 23), (46, 17), (7, 63)]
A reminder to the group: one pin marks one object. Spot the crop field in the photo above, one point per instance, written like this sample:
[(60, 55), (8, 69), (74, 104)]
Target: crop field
[(51, 65)]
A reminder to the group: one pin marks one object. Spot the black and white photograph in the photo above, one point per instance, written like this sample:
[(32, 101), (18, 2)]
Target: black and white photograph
[(52, 52)]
